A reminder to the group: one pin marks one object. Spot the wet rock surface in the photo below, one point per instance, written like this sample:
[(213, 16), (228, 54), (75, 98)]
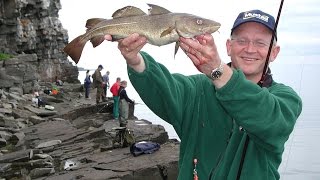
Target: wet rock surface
[(76, 140)]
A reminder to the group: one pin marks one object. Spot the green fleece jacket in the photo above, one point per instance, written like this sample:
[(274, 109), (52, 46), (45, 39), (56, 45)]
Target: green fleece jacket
[(208, 120)]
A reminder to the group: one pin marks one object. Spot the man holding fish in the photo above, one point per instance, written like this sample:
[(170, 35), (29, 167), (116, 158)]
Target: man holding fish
[(215, 111)]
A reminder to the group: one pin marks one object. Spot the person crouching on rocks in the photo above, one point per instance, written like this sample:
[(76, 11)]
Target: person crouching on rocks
[(124, 104)]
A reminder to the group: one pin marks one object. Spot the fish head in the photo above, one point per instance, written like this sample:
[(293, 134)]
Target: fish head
[(189, 25)]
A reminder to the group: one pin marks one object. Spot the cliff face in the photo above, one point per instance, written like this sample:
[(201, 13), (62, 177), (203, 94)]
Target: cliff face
[(32, 28)]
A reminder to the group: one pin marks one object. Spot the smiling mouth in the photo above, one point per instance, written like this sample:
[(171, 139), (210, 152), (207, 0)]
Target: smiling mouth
[(249, 59)]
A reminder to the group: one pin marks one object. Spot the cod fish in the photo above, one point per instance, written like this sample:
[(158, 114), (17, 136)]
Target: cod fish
[(159, 26)]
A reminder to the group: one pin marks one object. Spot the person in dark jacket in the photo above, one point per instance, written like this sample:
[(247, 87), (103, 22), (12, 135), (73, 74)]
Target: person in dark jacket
[(99, 84), (124, 104), (87, 85)]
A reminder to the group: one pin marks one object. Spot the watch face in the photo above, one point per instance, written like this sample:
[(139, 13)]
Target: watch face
[(216, 74)]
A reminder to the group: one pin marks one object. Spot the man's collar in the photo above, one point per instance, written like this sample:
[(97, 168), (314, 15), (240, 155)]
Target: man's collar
[(267, 79)]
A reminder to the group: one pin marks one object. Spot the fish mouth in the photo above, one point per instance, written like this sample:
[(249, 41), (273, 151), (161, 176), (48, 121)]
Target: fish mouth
[(195, 32), (211, 29)]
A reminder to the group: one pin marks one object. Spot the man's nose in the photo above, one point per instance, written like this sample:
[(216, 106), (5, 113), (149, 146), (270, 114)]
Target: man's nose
[(251, 48)]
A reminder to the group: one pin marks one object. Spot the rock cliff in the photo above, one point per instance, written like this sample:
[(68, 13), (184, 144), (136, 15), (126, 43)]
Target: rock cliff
[(31, 31), (77, 140)]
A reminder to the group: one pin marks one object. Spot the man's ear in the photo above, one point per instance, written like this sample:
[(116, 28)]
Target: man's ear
[(228, 45), (274, 53)]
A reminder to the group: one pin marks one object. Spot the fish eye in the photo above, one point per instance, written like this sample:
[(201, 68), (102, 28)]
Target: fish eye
[(199, 21)]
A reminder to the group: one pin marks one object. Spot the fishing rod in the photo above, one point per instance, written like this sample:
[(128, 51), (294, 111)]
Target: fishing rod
[(266, 65), (107, 104), (261, 82)]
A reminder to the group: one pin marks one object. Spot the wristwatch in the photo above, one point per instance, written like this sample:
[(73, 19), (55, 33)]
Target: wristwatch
[(217, 72)]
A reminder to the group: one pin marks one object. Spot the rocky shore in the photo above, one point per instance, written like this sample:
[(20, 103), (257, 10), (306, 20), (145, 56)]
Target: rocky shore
[(76, 140)]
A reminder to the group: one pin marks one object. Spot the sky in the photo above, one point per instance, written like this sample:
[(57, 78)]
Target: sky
[(298, 29)]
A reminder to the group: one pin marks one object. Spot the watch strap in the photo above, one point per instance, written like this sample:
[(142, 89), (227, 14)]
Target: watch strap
[(217, 72)]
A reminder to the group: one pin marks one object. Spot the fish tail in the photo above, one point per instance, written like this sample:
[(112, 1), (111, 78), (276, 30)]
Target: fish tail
[(74, 48)]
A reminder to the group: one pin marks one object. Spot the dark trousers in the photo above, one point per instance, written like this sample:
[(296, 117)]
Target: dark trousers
[(100, 94), (105, 91), (87, 92)]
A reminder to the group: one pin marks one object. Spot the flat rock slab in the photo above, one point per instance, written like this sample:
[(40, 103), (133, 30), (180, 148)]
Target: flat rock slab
[(40, 112), (5, 111), (120, 164), (50, 130)]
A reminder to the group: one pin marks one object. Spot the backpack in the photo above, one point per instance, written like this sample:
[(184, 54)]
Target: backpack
[(124, 137), (129, 138), (144, 147), (94, 75)]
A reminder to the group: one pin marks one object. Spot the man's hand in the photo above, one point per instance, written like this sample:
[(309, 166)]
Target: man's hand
[(202, 51), (129, 48)]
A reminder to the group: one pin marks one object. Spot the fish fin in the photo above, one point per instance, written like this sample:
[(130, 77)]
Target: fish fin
[(116, 37), (127, 12), (176, 48), (92, 22), (74, 48), (96, 41), (167, 31), (155, 9)]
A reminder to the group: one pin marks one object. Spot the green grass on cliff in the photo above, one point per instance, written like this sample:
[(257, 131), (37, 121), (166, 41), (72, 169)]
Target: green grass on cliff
[(4, 56)]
